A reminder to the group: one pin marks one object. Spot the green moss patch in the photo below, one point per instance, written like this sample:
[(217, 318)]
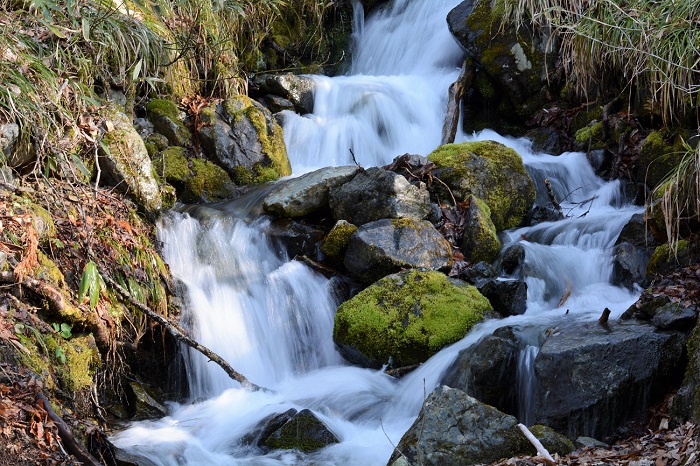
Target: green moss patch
[(335, 243), (409, 316)]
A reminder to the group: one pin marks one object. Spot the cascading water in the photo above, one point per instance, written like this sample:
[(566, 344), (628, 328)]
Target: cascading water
[(272, 318)]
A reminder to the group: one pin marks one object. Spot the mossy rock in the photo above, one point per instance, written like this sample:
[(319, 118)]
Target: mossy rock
[(660, 153), (408, 316), (172, 165), (490, 171), (208, 182), (165, 117), (479, 241), (591, 137), (303, 432), (336, 242), (76, 360), (551, 440), (664, 260)]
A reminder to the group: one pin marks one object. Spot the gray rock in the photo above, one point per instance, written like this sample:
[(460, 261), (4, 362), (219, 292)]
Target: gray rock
[(546, 140), (488, 372), (379, 194), (9, 133), (512, 258), (629, 265), (242, 137), (478, 274), (304, 432), (303, 195), (636, 233), (165, 116), (386, 246), (297, 89), (296, 238), (126, 165), (276, 104), (539, 214), (265, 428), (591, 378), (675, 316), (589, 442), (455, 429), (508, 297), (147, 403)]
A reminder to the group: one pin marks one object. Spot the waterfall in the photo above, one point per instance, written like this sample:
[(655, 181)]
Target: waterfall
[(272, 318)]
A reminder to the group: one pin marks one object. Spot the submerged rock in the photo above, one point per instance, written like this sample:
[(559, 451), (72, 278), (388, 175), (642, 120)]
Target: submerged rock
[(408, 317), (454, 428), (375, 194), (591, 378), (490, 171), (386, 246), (303, 195)]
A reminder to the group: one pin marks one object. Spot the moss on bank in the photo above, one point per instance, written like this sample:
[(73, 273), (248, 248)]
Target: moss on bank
[(408, 316)]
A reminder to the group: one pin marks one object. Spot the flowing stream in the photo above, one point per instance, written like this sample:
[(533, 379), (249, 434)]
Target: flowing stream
[(272, 318)]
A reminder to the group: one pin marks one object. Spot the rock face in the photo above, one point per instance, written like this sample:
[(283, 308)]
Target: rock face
[(454, 428), (386, 246), (291, 430), (488, 372), (299, 90), (126, 165), (301, 196), (376, 194), (241, 136), (593, 378), (479, 241), (408, 317), (515, 61), (490, 171)]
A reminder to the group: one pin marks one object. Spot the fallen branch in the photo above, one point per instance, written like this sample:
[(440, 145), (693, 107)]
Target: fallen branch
[(604, 317), (180, 335), (73, 447), (541, 450), (552, 197), (455, 93)]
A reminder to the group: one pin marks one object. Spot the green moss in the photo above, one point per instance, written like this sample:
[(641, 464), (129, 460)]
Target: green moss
[(165, 116), (591, 134), (81, 360), (551, 440), (162, 108), (48, 271), (335, 243), (151, 148), (409, 316), (490, 171), (480, 241), (208, 182), (660, 153), (173, 165), (665, 260)]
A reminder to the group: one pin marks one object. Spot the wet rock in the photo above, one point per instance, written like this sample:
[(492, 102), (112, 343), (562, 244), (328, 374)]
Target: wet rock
[(490, 171), (591, 378), (299, 90), (508, 297), (242, 137), (165, 117), (512, 258), (456, 429), (629, 265), (539, 214), (386, 246), (303, 195), (479, 241), (296, 238), (488, 371), (686, 403), (335, 244), (515, 59), (126, 165), (266, 427), (546, 140), (375, 194), (478, 274), (276, 104), (124, 458), (636, 233), (147, 403), (408, 317), (304, 432), (675, 316), (665, 261)]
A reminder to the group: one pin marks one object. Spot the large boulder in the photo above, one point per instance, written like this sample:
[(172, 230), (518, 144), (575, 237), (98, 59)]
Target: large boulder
[(386, 246), (516, 61), (479, 240), (593, 378), (490, 171), (408, 317), (291, 430), (299, 90), (242, 137), (456, 429), (125, 163), (374, 194), (303, 195), (488, 371)]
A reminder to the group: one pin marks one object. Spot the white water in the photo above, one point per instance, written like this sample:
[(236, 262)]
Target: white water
[(272, 318)]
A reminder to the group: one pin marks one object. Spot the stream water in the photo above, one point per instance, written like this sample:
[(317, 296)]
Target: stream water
[(272, 318)]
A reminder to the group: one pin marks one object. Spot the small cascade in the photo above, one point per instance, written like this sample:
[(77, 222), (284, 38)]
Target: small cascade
[(527, 383)]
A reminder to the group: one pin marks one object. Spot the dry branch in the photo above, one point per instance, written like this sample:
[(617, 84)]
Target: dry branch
[(541, 450), (456, 91)]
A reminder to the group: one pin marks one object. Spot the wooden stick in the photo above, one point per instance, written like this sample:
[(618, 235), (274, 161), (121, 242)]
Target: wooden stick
[(550, 193), (604, 317), (541, 450), (455, 93), (180, 335)]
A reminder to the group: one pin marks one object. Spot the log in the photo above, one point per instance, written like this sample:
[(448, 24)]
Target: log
[(181, 336), (455, 94), (73, 447), (604, 317), (541, 450)]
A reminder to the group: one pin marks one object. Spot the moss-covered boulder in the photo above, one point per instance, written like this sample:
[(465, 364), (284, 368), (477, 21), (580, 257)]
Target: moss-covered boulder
[(125, 163), (664, 260), (479, 241), (304, 432), (454, 428), (490, 171), (335, 244), (660, 153), (515, 60), (165, 117), (386, 246), (408, 316), (242, 137)]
